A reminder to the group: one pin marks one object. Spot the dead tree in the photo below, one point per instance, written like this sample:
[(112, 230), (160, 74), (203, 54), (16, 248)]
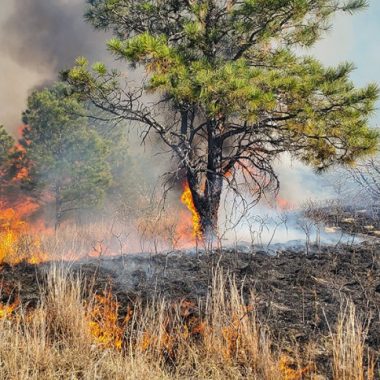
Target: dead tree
[(366, 179)]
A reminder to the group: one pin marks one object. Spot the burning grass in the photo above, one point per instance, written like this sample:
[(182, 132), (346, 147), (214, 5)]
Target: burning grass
[(35, 242), (17, 244), (76, 333)]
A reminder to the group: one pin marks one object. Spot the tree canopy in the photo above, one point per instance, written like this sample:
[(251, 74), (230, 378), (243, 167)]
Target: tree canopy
[(237, 93)]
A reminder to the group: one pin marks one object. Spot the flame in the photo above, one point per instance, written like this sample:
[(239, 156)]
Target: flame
[(6, 310), (19, 240), (284, 204), (16, 243), (104, 323), (290, 371), (187, 200), (22, 172)]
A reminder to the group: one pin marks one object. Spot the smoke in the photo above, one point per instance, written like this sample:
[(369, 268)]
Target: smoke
[(45, 33), (299, 183), (38, 38)]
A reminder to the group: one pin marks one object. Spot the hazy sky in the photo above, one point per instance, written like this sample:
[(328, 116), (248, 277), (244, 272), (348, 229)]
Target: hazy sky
[(39, 37)]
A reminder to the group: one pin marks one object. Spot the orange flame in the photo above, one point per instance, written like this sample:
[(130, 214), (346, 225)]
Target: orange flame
[(6, 310), (19, 241), (284, 204), (187, 200), (16, 244), (104, 323)]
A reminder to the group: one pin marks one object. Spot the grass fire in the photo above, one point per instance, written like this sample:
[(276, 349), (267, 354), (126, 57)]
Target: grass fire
[(199, 200)]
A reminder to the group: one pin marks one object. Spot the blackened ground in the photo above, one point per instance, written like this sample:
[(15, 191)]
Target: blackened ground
[(353, 220), (297, 296)]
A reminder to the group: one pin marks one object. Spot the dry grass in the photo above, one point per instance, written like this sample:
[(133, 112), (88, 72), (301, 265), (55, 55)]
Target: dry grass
[(55, 341), (349, 349), (73, 336)]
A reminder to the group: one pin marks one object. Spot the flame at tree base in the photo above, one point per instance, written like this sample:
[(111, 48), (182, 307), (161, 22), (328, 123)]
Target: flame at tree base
[(187, 200)]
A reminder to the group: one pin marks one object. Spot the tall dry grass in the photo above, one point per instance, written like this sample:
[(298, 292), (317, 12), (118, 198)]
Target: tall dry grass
[(55, 340), (71, 335), (351, 358)]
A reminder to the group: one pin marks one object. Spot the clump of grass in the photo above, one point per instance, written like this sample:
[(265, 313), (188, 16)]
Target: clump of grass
[(348, 347)]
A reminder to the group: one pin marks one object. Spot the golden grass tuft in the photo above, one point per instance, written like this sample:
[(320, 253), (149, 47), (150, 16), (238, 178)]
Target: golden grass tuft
[(349, 349)]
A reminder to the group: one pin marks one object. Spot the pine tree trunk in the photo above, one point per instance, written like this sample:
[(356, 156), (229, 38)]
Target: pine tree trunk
[(207, 205), (58, 208), (209, 212), (207, 199)]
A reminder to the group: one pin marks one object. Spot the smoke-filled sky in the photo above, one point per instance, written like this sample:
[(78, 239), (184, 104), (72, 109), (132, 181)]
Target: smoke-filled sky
[(37, 39), (40, 37)]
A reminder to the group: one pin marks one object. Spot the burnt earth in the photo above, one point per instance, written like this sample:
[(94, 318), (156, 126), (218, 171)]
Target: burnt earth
[(353, 220), (297, 296)]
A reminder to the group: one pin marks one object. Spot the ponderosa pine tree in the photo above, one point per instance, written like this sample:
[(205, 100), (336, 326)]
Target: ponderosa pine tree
[(6, 146), (62, 155), (234, 94)]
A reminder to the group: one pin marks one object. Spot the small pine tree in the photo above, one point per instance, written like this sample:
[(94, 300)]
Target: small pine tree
[(64, 158), (6, 144), (6, 158)]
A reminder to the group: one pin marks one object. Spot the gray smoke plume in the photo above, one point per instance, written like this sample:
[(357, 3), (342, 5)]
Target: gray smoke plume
[(42, 33), (37, 39)]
